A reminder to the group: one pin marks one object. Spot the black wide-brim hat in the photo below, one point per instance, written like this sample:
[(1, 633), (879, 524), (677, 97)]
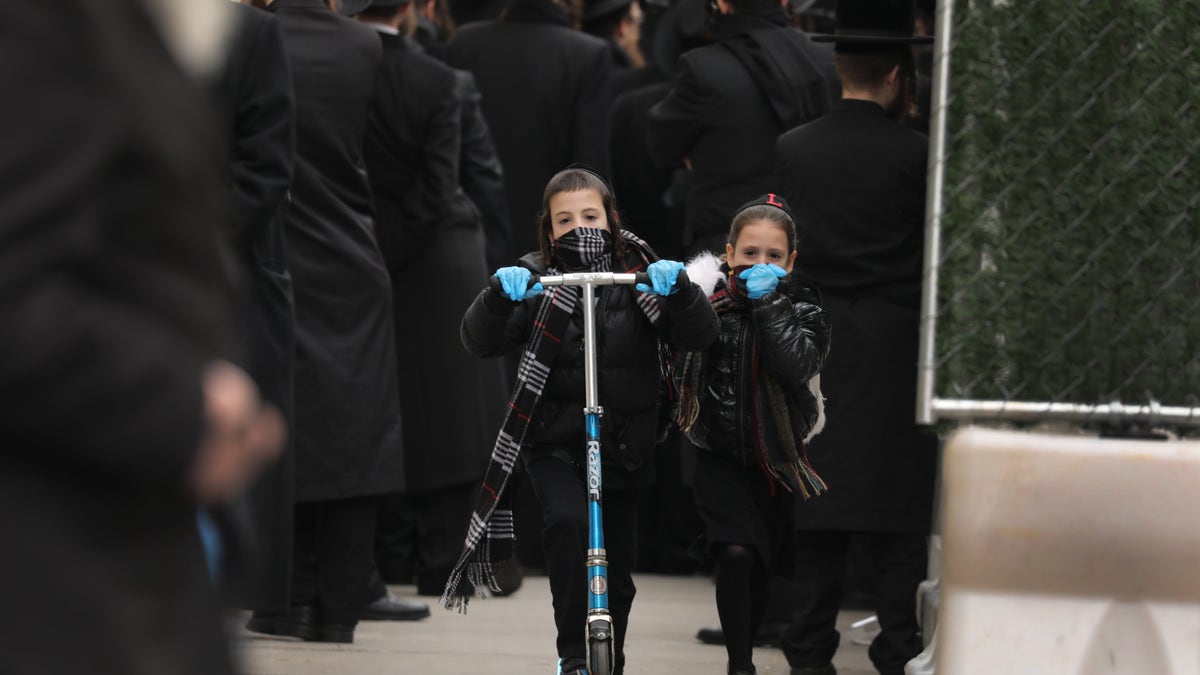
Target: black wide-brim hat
[(594, 9), (874, 23), (682, 27), (352, 7)]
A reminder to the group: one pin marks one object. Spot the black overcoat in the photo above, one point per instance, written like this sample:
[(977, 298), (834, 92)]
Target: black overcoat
[(113, 298), (856, 184), (545, 94), (716, 116), (431, 237), (347, 430), (479, 172), (257, 113), (640, 185)]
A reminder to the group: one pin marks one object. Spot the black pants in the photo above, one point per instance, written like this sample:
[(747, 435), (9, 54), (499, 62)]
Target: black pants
[(899, 565), (335, 543), (560, 491), (668, 524), (425, 532)]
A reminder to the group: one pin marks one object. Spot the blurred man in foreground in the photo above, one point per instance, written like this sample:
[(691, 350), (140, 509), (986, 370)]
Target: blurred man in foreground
[(120, 414)]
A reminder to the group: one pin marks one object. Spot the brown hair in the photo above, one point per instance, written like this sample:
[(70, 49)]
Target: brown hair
[(763, 212), (573, 180), (442, 19), (262, 4), (868, 68)]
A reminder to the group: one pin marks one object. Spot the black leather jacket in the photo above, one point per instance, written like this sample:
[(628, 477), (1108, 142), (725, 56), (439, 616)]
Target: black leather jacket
[(627, 365), (792, 335)]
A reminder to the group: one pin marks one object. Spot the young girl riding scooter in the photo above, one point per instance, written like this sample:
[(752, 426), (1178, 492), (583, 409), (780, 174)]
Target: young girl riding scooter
[(579, 230), (749, 403)]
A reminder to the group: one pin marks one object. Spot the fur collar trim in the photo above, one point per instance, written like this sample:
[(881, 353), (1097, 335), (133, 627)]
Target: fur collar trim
[(705, 271), (814, 385)]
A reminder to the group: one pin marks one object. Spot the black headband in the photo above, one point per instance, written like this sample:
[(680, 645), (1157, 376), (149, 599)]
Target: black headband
[(769, 199), (587, 169)]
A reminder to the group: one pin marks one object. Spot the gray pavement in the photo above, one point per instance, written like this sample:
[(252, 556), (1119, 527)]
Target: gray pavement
[(515, 636)]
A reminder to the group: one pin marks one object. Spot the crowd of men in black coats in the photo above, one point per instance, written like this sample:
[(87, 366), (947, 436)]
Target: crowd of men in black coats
[(371, 150)]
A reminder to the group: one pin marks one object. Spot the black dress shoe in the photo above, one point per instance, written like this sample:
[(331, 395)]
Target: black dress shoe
[(826, 669), (333, 633), (299, 622), (391, 607), (711, 635), (768, 634)]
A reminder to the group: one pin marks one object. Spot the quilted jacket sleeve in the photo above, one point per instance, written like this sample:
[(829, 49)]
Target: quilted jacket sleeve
[(793, 336)]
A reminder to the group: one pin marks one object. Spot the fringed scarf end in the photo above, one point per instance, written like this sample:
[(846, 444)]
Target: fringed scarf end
[(811, 483), (453, 598), (477, 579), (687, 410)]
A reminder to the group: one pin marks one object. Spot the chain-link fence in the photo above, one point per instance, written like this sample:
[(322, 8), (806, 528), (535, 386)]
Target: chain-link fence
[(1064, 198)]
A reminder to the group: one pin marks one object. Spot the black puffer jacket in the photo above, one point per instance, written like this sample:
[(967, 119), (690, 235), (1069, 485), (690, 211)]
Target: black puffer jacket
[(792, 335), (627, 364)]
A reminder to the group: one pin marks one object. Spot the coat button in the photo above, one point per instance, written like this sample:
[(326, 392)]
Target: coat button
[(621, 446)]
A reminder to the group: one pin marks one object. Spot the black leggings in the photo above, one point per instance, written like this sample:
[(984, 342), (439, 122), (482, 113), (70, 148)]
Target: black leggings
[(560, 491), (741, 601)]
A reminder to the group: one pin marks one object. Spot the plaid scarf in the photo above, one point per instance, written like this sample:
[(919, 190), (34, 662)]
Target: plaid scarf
[(491, 538), (777, 429)]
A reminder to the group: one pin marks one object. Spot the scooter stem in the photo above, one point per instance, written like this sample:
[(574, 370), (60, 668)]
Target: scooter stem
[(591, 394)]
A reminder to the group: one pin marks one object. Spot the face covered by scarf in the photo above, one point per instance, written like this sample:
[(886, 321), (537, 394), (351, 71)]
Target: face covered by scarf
[(737, 285), (583, 248)]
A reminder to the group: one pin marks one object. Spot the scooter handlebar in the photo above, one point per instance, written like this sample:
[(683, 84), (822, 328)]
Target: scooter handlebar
[(594, 278)]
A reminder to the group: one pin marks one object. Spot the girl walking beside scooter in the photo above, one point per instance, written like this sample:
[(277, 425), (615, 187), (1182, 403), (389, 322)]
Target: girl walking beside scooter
[(579, 231), (749, 403)]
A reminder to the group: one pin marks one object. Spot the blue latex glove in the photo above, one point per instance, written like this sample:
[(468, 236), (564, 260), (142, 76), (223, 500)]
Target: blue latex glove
[(515, 282), (662, 276), (762, 279)]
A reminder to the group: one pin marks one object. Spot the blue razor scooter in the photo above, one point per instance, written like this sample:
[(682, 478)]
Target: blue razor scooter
[(599, 621)]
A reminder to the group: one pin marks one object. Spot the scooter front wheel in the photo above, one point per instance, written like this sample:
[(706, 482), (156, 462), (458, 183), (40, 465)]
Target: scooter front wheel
[(600, 657)]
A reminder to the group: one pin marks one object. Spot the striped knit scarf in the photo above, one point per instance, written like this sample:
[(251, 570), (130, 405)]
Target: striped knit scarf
[(491, 538), (778, 433)]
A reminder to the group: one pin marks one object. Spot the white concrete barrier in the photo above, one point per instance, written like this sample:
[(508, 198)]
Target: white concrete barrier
[(1069, 555)]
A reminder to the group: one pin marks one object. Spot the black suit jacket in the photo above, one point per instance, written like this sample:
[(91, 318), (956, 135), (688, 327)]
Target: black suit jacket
[(640, 185), (255, 95), (716, 116), (256, 109), (545, 94), (856, 183), (414, 133), (479, 172), (430, 233), (113, 297), (482, 176)]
